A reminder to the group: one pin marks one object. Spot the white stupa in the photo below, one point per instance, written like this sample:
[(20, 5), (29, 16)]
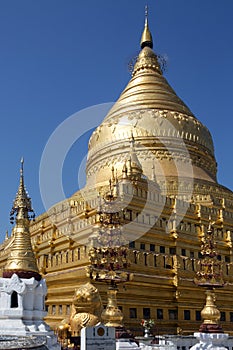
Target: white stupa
[(22, 289)]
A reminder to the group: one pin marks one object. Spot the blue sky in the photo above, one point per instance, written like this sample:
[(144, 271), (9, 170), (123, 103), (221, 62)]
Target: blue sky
[(60, 56)]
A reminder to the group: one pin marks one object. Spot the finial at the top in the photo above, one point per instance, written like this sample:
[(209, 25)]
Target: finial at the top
[(146, 39), (21, 167), (146, 14), (22, 203)]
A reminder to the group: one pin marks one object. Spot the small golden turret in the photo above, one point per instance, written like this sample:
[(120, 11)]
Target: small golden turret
[(21, 259)]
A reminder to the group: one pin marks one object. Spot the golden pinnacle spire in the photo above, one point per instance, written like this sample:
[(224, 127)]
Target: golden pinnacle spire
[(21, 259), (22, 203), (146, 39)]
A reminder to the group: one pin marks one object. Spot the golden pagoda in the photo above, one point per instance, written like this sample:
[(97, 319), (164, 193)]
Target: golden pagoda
[(165, 177)]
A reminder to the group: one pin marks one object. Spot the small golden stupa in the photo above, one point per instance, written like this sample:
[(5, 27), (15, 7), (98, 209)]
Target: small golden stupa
[(21, 259)]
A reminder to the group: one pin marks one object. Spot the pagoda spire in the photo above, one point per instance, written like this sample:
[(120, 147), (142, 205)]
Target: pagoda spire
[(21, 259), (22, 203), (146, 39), (147, 59)]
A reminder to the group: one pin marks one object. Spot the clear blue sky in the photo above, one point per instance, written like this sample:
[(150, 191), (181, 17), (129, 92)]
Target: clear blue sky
[(60, 56)]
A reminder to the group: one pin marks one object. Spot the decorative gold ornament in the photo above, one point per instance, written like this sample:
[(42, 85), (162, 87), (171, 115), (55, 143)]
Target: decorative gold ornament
[(210, 273), (112, 315), (210, 314), (210, 276), (109, 253)]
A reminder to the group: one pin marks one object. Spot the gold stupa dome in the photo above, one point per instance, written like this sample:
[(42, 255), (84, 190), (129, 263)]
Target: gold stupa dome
[(166, 132)]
